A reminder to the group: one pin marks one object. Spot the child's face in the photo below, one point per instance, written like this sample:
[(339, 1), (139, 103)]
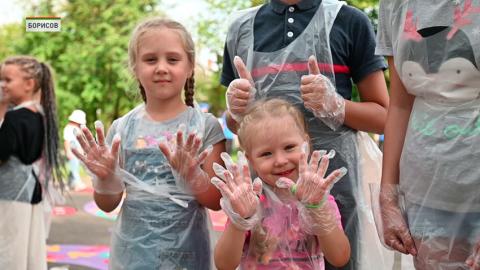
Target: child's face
[(162, 65), (17, 87), (275, 147)]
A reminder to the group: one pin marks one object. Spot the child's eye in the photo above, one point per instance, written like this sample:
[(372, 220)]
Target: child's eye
[(150, 60), (265, 154), (290, 147), (173, 60)]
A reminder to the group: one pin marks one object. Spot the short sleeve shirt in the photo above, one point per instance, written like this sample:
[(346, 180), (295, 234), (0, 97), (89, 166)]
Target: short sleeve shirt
[(352, 40), (21, 135)]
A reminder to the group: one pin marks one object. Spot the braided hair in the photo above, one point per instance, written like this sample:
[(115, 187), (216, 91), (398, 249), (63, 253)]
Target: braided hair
[(188, 45), (189, 90), (41, 73)]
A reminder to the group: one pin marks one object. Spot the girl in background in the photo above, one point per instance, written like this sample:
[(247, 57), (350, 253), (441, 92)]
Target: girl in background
[(27, 131)]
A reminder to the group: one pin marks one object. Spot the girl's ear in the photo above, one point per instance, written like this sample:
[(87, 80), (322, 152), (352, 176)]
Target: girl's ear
[(307, 138), (135, 75), (30, 84), (309, 143), (247, 156), (190, 73), (249, 161)]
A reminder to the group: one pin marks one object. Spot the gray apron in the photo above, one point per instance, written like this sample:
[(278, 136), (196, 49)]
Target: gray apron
[(277, 75), (153, 231)]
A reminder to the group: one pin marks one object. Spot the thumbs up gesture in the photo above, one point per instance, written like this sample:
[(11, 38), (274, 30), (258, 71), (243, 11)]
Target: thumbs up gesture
[(320, 97), (240, 92)]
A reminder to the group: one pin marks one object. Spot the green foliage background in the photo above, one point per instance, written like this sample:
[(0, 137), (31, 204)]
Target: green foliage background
[(89, 55)]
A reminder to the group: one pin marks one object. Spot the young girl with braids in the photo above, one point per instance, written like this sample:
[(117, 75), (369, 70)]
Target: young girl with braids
[(163, 221), (28, 133)]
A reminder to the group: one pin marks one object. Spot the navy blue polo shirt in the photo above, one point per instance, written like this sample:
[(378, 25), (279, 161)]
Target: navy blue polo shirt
[(352, 40)]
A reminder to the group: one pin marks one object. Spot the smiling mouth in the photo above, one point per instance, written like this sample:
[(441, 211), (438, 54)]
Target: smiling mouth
[(285, 173)]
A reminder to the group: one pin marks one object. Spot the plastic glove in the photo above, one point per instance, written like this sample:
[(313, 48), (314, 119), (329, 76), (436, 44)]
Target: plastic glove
[(320, 97), (395, 231), (473, 260), (241, 92), (185, 161), (100, 159), (239, 197), (312, 190)]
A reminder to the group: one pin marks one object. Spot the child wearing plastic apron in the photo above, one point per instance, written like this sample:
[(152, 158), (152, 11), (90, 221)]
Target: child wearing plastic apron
[(432, 133), (279, 74), (172, 231)]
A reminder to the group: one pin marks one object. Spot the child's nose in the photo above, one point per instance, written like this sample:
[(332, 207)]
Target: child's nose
[(161, 67), (280, 159)]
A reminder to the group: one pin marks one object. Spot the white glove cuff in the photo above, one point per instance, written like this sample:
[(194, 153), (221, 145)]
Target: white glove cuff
[(112, 185), (241, 223)]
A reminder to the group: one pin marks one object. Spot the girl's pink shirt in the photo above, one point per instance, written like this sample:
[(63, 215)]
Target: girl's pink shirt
[(294, 255)]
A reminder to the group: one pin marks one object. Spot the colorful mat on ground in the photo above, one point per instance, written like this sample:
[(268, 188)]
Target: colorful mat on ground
[(87, 189), (63, 211), (92, 208), (95, 257)]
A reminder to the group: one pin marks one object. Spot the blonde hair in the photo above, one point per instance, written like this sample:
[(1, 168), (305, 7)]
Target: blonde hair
[(188, 46), (262, 109)]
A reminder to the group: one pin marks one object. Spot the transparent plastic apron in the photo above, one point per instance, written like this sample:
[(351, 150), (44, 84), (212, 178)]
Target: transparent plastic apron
[(160, 225), (278, 74), (16, 179), (279, 242), (19, 220), (439, 163)]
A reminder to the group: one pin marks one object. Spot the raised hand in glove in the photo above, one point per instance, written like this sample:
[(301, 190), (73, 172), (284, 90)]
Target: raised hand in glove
[(320, 97), (240, 196), (241, 92), (100, 159)]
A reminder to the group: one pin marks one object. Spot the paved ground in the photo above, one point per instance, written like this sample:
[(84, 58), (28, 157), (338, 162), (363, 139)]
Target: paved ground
[(82, 228)]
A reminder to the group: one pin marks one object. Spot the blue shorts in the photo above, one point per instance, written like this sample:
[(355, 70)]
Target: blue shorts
[(425, 222)]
